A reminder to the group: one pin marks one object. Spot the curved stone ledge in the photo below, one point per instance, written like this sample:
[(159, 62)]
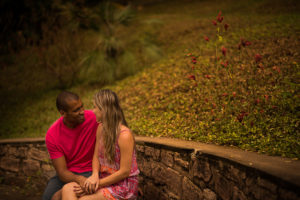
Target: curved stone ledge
[(176, 169), (283, 168)]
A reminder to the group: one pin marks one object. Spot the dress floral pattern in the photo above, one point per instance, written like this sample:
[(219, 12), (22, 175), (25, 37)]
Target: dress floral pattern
[(125, 189)]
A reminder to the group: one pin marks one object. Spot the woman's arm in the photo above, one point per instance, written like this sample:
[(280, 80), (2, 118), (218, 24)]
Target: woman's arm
[(91, 184), (126, 144)]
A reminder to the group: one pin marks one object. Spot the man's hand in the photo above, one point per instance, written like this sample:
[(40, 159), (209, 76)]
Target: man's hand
[(81, 180), (79, 191), (91, 184)]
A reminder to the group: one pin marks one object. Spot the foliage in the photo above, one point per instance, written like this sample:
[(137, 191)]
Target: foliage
[(241, 93), (237, 87)]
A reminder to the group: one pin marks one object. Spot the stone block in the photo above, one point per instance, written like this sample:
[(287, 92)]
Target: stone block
[(3, 150), (221, 165), (181, 161), (140, 148), (171, 196), (209, 194), (235, 175), (167, 157), (190, 191), (140, 160), (267, 184), (42, 147), (287, 195), (12, 152), (201, 169), (22, 152), (174, 181), (37, 154), (151, 192), (152, 152), (222, 186), (145, 168), (48, 171), (261, 193), (167, 176), (10, 164), (31, 168), (238, 195)]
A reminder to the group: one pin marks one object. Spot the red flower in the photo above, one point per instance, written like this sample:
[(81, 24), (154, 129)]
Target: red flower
[(258, 58), (194, 60), (193, 67), (224, 64), (245, 43), (219, 17), (257, 101), (206, 100), (225, 94), (233, 94), (241, 116), (206, 38), (214, 22), (266, 97), (275, 68), (207, 76), (192, 77), (214, 105), (224, 50), (226, 26)]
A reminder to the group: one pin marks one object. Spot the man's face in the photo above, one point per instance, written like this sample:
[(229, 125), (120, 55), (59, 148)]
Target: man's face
[(75, 113)]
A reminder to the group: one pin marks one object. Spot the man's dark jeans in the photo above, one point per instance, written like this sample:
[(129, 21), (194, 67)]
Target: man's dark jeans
[(56, 184)]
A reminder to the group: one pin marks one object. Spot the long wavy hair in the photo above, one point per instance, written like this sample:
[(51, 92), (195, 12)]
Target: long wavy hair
[(112, 119)]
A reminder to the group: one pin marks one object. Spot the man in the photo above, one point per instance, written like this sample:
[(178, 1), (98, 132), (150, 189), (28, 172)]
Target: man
[(70, 142)]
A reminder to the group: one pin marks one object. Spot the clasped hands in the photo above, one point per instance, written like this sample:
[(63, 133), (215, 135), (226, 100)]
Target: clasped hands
[(89, 186)]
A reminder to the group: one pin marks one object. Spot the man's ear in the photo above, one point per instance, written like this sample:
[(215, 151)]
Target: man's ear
[(62, 113)]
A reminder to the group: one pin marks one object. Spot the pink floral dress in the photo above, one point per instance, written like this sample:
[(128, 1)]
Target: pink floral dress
[(125, 189)]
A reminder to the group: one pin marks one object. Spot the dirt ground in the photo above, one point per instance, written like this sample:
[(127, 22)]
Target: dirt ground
[(12, 192)]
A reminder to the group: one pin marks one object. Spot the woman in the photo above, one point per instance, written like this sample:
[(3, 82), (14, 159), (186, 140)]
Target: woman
[(114, 156)]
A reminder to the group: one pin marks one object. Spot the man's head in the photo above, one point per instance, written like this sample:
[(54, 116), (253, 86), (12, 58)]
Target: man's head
[(70, 106)]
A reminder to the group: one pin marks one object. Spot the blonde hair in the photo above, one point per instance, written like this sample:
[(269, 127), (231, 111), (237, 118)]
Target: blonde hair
[(112, 118)]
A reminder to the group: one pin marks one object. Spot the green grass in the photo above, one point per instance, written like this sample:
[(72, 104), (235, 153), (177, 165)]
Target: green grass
[(254, 106)]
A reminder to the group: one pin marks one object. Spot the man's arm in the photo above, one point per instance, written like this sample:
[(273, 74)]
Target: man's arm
[(64, 174)]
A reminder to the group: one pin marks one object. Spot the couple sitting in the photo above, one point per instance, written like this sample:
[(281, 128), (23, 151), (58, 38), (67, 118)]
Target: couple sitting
[(93, 152)]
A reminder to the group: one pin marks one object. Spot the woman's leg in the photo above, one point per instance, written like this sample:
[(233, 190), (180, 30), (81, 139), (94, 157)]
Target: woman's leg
[(96, 196), (68, 191)]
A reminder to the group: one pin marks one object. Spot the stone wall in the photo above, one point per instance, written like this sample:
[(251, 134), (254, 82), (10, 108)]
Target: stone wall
[(172, 169), (25, 162), (170, 172)]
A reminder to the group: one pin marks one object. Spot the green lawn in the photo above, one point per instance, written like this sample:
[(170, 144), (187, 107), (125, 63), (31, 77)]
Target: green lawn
[(252, 102)]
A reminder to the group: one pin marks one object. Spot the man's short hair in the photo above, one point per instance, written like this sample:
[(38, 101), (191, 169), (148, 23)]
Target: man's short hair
[(63, 98)]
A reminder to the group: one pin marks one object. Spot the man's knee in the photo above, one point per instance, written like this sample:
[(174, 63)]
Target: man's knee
[(57, 195), (53, 186)]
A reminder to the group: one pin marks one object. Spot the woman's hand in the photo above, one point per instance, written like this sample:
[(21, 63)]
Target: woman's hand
[(79, 191), (91, 184)]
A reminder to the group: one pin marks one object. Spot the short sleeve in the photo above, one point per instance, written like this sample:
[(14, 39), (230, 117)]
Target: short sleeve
[(54, 152)]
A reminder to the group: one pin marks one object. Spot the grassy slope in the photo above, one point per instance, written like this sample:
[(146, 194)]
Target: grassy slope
[(163, 101)]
